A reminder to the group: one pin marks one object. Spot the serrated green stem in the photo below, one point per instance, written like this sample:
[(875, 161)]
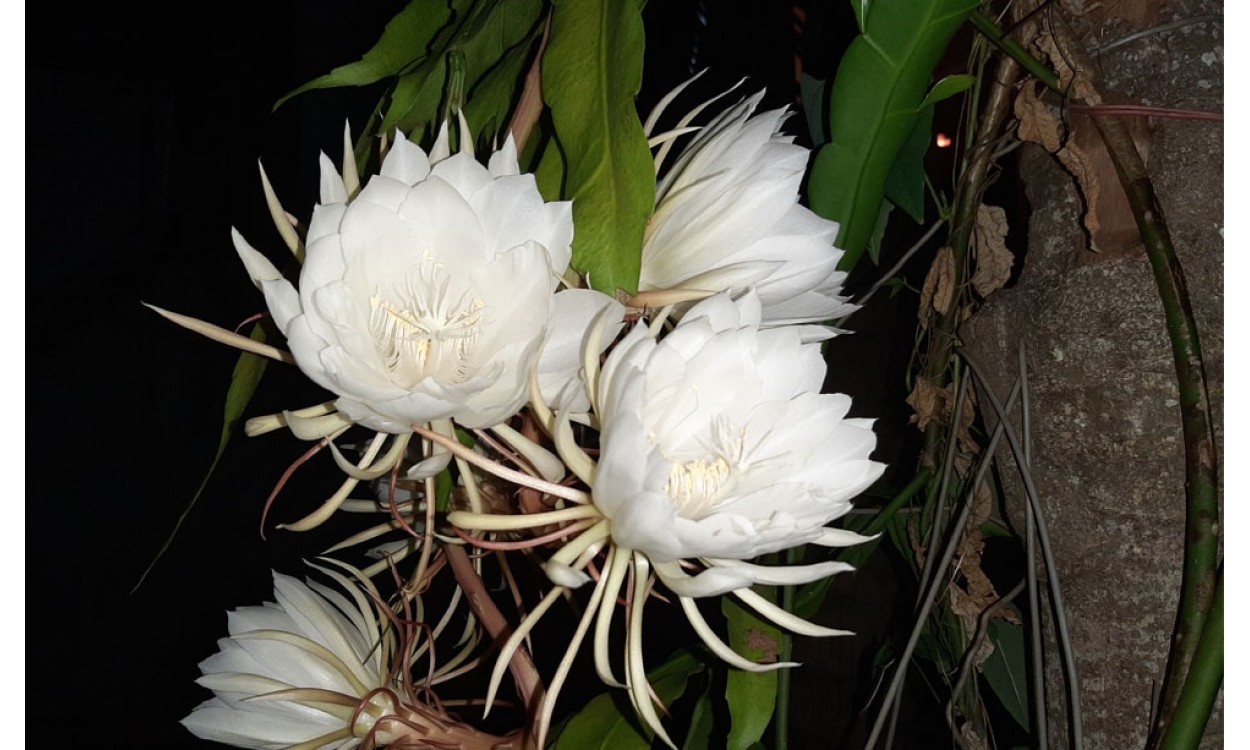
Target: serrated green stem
[(1201, 483), (1206, 672)]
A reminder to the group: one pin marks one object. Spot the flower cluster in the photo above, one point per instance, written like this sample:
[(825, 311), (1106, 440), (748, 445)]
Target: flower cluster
[(671, 439)]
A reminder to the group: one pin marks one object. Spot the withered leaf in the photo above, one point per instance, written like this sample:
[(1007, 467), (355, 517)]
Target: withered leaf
[(939, 286), (994, 260), (1039, 123)]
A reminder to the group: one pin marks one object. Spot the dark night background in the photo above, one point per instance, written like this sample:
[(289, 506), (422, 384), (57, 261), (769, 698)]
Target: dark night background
[(142, 132)]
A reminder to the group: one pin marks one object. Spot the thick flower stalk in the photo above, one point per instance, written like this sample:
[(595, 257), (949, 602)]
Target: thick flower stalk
[(727, 218), (314, 670), (716, 446)]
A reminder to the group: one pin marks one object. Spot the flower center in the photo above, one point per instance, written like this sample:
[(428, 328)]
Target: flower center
[(700, 485), (696, 485), (423, 330)]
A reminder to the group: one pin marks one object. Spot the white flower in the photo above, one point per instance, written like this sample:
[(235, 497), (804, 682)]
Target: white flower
[(560, 366), (717, 445), (727, 218), (295, 671), (429, 295)]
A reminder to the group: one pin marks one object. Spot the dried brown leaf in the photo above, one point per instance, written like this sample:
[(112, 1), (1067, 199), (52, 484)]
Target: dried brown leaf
[(967, 733), (1039, 122), (926, 400), (938, 291), (994, 260)]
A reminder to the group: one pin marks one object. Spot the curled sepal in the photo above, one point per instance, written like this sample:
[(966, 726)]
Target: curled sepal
[(635, 672), (718, 647), (221, 335), (281, 219), (384, 464), (782, 618)]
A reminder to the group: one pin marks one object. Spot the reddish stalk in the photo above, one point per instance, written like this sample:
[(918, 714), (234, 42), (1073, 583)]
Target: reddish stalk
[(286, 476), (1141, 110), (524, 672), (537, 541)]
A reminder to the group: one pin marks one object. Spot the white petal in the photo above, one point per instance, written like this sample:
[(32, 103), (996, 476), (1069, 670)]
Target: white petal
[(332, 188), (405, 162)]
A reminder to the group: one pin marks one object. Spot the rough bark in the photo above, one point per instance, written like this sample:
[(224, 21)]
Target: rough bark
[(1108, 455)]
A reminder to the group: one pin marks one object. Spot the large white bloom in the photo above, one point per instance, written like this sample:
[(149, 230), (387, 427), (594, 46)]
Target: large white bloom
[(429, 295), (293, 671), (718, 445), (727, 218)]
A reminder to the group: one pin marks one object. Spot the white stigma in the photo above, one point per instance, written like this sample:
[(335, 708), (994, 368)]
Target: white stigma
[(695, 485), (422, 330)]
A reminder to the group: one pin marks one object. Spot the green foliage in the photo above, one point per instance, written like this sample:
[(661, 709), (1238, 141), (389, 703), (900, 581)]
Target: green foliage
[(491, 40), (904, 185), (878, 233), (592, 71), (873, 107), (441, 56), (403, 41), (702, 724), (948, 87), (1005, 671), (549, 174), (490, 101), (608, 721), (942, 640), (751, 696), (243, 383), (812, 93)]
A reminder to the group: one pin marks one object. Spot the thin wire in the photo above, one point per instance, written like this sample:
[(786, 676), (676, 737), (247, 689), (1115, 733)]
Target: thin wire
[(1158, 30), (936, 526), (1030, 569), (895, 268), (947, 470), (970, 654), (1052, 574), (948, 553)]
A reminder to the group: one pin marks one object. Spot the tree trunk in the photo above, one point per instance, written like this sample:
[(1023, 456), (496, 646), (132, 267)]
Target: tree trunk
[(1108, 456)]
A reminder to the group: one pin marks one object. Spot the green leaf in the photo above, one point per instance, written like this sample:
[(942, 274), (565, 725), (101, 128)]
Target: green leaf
[(873, 106), (243, 382), (948, 87), (812, 93), (1005, 670), (608, 722), (702, 724), (415, 101), (592, 71), (491, 99), (878, 234), (752, 696), (904, 186), (403, 41), (550, 171), (482, 35)]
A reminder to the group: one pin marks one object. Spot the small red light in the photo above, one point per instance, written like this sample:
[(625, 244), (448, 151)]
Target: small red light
[(943, 140)]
